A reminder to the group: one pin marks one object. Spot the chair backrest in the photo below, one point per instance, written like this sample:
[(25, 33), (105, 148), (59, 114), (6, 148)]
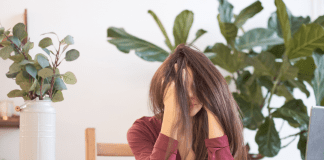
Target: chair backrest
[(94, 149)]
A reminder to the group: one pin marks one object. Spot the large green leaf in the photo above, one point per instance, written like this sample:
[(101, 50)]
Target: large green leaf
[(281, 90), (126, 42), (306, 69), (247, 13), (157, 20), (226, 60), (258, 37), (295, 22), (225, 9), (288, 71), (306, 40), (264, 64), (284, 21), (21, 78), (181, 27), (299, 84), (277, 50), (253, 117), (199, 33), (265, 81), (320, 20), (302, 144), (228, 30), (19, 31), (5, 52), (294, 112), (14, 67), (268, 138), (318, 81)]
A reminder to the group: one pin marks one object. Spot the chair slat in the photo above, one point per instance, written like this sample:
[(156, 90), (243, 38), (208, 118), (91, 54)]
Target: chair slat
[(113, 149), (90, 144)]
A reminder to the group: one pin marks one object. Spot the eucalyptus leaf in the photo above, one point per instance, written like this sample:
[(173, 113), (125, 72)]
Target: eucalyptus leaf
[(258, 37), (5, 43), (11, 75), (28, 46), (31, 70), (1, 30), (35, 83), (268, 139), (47, 51), (126, 42), (72, 55), (14, 67), (15, 93), (19, 31), (45, 88), (69, 78), (45, 42), (181, 27), (5, 52), (68, 40), (59, 84), (58, 96), (21, 78), (16, 41), (42, 60), (45, 72), (247, 13), (24, 62)]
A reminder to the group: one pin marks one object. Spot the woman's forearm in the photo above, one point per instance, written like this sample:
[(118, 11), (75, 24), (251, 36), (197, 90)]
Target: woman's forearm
[(167, 128)]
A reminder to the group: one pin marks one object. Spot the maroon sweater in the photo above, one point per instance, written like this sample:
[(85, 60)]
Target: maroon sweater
[(147, 143)]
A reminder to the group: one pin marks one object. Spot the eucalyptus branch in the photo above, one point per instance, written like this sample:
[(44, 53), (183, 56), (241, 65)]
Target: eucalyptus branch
[(18, 49), (40, 94), (54, 67)]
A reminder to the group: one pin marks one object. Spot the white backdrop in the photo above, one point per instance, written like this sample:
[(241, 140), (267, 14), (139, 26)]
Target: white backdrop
[(112, 88)]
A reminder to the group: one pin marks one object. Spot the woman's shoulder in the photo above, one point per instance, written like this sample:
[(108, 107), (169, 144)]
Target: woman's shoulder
[(147, 120), (147, 126)]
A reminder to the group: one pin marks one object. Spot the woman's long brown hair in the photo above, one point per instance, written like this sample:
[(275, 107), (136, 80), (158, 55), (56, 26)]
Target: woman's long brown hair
[(211, 89)]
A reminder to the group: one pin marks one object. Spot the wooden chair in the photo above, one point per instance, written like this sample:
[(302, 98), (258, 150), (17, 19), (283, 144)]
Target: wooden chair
[(94, 149)]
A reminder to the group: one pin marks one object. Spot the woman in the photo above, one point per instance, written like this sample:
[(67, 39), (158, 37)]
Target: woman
[(197, 122)]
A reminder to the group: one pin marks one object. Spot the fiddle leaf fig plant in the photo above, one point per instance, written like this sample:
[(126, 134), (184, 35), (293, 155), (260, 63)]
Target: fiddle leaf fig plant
[(291, 53), (148, 51), (36, 77)]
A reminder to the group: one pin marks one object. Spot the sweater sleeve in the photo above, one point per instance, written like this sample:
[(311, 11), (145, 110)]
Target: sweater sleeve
[(218, 148), (144, 148)]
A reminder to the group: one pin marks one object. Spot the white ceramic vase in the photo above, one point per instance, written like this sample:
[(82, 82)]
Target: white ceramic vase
[(37, 130)]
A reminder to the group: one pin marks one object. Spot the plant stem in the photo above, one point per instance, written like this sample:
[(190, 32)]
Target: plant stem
[(281, 125), (301, 132), (272, 91), (288, 143), (54, 67)]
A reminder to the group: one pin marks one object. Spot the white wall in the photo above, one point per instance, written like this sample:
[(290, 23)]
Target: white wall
[(112, 88)]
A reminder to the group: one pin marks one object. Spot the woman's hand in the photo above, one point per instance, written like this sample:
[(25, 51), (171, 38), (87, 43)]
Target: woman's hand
[(215, 129)]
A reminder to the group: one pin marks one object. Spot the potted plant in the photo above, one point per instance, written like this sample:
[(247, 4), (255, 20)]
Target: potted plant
[(40, 84), (292, 54)]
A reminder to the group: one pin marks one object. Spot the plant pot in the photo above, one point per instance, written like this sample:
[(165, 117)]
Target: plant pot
[(37, 130)]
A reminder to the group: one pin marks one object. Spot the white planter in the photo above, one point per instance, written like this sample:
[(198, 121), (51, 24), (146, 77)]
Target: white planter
[(37, 130)]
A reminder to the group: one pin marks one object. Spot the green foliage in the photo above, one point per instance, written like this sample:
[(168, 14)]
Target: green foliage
[(34, 77), (292, 53)]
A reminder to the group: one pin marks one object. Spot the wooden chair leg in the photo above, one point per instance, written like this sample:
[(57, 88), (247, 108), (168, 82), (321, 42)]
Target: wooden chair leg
[(90, 143)]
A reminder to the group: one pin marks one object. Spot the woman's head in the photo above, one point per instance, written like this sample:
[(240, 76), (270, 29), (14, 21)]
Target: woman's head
[(195, 76)]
